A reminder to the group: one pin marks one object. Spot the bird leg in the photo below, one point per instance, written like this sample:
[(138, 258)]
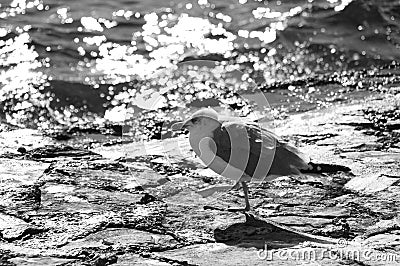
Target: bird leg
[(246, 199)]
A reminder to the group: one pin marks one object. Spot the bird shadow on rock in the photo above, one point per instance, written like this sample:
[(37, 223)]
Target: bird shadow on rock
[(257, 233)]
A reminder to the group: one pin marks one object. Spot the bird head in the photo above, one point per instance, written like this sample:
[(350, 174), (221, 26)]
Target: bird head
[(204, 119)]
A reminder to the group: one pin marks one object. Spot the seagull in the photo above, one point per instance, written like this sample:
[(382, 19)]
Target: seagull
[(244, 151)]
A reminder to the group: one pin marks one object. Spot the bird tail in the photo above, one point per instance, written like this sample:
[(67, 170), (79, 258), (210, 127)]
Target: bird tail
[(289, 160), (324, 168)]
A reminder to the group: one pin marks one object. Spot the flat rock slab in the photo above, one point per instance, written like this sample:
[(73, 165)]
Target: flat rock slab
[(19, 199), (21, 172), (174, 147), (73, 199), (12, 228), (374, 156), (371, 183), (122, 239), (58, 152), (104, 174), (68, 212), (20, 184), (43, 261), (130, 259), (294, 221)]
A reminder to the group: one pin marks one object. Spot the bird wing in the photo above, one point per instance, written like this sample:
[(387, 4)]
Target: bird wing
[(242, 145), (207, 148), (257, 151), (254, 132)]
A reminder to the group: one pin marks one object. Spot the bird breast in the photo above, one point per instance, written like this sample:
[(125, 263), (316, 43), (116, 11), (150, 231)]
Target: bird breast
[(195, 138)]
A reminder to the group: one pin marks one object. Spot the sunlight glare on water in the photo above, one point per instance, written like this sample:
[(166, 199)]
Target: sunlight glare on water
[(82, 61)]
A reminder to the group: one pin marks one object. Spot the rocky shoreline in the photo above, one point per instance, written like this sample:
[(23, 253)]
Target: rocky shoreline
[(136, 203)]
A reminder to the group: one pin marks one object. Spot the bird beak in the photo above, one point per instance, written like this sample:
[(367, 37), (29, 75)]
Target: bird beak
[(180, 125)]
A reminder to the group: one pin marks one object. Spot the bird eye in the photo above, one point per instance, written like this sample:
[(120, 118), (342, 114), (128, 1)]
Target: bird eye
[(195, 120)]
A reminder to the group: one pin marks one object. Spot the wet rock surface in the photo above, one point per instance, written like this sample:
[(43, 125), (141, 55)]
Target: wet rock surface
[(137, 203)]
